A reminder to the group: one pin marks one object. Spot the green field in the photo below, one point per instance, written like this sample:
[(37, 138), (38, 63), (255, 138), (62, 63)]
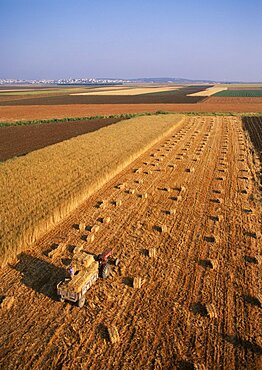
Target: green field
[(240, 93)]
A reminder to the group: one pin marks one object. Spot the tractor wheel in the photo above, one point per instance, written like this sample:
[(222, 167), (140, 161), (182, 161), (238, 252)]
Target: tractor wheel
[(116, 261), (81, 302), (105, 271)]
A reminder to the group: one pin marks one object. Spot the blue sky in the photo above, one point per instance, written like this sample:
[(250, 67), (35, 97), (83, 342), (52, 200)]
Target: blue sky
[(198, 39)]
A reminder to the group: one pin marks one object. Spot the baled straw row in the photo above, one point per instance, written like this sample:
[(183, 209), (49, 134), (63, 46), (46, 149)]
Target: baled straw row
[(41, 188)]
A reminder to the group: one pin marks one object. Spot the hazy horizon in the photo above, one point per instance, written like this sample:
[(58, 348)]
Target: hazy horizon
[(198, 40)]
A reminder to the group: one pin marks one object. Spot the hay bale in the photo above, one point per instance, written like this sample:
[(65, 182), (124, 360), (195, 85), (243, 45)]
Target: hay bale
[(137, 282), (131, 191), (211, 310), (171, 211), (137, 170), (95, 228), (167, 189), (177, 198), (106, 220), (144, 196), (162, 228), (120, 186), (152, 252), (82, 260), (78, 249), (7, 302), (82, 227), (140, 181), (214, 263), (113, 334), (102, 204), (118, 202), (79, 280), (90, 238), (182, 189)]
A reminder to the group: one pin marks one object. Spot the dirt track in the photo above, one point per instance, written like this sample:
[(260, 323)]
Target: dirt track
[(208, 256), (20, 140)]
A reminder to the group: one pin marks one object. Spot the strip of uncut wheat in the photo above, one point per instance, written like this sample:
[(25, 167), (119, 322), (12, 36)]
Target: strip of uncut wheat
[(208, 92), (41, 188), (130, 91)]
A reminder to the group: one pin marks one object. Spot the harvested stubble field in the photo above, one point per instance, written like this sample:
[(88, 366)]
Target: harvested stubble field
[(39, 189), (199, 305)]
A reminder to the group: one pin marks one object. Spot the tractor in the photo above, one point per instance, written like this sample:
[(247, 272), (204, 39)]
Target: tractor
[(85, 269)]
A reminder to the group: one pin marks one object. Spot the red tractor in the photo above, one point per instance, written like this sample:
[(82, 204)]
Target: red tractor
[(105, 259)]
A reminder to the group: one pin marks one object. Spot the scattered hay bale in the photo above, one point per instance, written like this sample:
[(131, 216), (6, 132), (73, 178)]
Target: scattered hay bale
[(162, 228), (106, 220), (140, 181), (7, 302), (78, 249), (113, 334), (211, 310), (90, 238), (182, 189), (190, 169), (137, 170), (131, 191), (118, 202), (214, 263), (177, 198), (102, 204), (215, 218), (144, 196), (259, 298), (167, 189), (82, 227), (120, 186), (152, 252), (171, 211), (137, 282), (95, 228)]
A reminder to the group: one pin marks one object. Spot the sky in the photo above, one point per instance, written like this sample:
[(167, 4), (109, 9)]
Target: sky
[(194, 39)]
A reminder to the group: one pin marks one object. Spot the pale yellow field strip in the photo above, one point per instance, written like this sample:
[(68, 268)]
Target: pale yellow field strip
[(208, 92), (135, 91)]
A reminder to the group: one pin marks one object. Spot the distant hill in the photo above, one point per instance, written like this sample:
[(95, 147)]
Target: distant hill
[(171, 80)]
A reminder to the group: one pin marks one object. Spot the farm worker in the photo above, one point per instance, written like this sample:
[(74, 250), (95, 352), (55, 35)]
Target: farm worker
[(71, 271)]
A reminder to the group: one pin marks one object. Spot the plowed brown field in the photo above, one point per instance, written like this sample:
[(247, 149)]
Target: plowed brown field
[(199, 306), (24, 112)]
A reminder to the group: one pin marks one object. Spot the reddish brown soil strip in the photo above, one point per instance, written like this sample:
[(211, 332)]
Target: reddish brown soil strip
[(20, 140), (228, 100), (25, 112)]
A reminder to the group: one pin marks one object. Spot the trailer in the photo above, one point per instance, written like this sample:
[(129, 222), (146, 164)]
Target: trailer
[(84, 270)]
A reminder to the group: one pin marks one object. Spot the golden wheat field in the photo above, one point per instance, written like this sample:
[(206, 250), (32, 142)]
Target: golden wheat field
[(41, 188), (209, 91), (128, 91), (184, 218)]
